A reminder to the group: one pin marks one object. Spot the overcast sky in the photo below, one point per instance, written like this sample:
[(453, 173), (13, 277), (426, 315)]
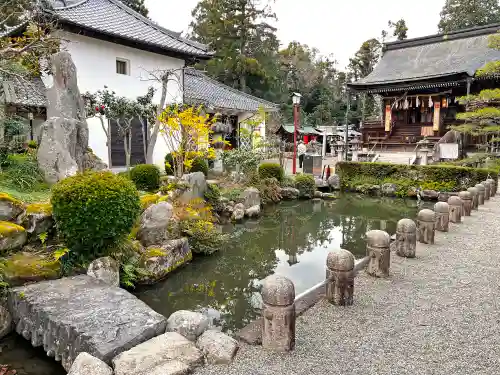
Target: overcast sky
[(335, 27)]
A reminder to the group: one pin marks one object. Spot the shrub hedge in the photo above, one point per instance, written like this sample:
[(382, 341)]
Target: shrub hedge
[(271, 170), (146, 177), (427, 177), (199, 165), (93, 211), (306, 185)]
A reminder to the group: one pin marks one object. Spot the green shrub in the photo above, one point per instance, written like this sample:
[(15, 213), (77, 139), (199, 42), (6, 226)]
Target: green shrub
[(169, 164), (146, 177), (269, 189), (94, 211), (271, 170), (22, 172), (204, 238), (125, 174), (199, 165), (212, 195), (306, 185), (33, 145), (288, 181)]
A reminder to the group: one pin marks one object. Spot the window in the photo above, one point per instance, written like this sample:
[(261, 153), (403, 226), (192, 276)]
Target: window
[(122, 67)]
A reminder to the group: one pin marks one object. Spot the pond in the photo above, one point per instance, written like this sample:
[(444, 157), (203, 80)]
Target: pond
[(291, 239)]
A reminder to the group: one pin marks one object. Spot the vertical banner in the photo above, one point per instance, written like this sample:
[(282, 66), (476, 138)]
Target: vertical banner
[(388, 118), (437, 116)]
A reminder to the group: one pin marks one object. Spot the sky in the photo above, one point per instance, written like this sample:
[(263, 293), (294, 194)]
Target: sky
[(336, 27)]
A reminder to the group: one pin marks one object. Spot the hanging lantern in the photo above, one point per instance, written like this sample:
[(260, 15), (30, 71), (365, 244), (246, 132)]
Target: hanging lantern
[(417, 102), (431, 103), (406, 105)]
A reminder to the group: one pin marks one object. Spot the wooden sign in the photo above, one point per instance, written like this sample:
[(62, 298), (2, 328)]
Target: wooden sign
[(437, 116), (388, 118)]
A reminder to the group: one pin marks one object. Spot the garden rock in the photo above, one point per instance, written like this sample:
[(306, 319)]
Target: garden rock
[(320, 183), (250, 197), (253, 211), (389, 190), (334, 182), (6, 326), (85, 364), (318, 194), (328, 196), (217, 347), (163, 259), (92, 162), (12, 236), (171, 368), (10, 207), (189, 324), (105, 269), (154, 224), (429, 195), (289, 193), (238, 212), (37, 219), (197, 186), (157, 352)]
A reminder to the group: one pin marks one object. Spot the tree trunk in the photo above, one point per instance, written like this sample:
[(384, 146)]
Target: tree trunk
[(125, 149), (144, 141), (107, 132), (154, 134)]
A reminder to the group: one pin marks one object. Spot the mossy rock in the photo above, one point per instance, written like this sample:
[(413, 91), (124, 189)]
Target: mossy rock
[(10, 207), (39, 208), (12, 236), (23, 267)]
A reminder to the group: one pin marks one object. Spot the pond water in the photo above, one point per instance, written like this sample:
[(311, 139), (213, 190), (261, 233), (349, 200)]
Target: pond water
[(291, 239)]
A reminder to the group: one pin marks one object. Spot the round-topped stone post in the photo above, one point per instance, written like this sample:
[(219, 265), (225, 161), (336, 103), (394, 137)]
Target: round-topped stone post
[(455, 204), (378, 248), (278, 332), (466, 198), (406, 238), (442, 213), (475, 195), (480, 194), (340, 277), (426, 226), (487, 190), (493, 187)]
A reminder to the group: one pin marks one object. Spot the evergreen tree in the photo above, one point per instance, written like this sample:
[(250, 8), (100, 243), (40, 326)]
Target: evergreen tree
[(462, 14), (400, 29), (137, 5)]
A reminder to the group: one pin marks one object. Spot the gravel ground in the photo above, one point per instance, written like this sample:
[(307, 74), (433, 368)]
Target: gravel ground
[(436, 314)]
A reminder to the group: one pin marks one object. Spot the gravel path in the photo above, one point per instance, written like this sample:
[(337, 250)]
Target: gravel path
[(436, 314)]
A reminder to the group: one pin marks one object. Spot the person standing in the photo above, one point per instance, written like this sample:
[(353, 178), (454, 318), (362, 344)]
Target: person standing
[(301, 150)]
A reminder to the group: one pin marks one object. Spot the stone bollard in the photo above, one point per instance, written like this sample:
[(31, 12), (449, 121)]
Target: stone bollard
[(442, 213), (487, 190), (455, 204), (493, 190), (378, 248), (406, 238), (340, 277), (278, 332), (426, 226), (480, 195), (466, 198), (475, 196)]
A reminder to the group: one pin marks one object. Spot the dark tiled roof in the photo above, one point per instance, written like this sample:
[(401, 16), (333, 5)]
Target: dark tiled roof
[(24, 92), (201, 89), (111, 17), (462, 52)]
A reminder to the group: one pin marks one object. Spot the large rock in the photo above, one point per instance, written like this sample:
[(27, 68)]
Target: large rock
[(334, 182), (171, 368), (238, 212), (105, 269), (6, 326), (157, 352), (389, 190), (10, 207), (163, 259), (37, 219), (79, 314), (250, 197), (85, 364), (12, 236), (63, 138), (217, 347), (197, 186), (189, 324), (289, 193), (153, 229), (92, 162), (253, 211)]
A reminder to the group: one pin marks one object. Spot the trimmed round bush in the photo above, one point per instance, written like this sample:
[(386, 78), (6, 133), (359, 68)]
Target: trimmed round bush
[(199, 165), (271, 170), (306, 185), (146, 177), (94, 211)]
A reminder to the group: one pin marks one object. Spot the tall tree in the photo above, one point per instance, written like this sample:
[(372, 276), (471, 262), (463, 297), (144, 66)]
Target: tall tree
[(461, 14), (137, 5), (400, 30), (365, 59)]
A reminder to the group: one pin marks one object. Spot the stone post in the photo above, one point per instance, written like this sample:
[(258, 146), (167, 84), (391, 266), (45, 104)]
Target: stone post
[(480, 195), (424, 153), (493, 190), (442, 210), (475, 195), (426, 226), (406, 238), (378, 249), (466, 198), (487, 190), (340, 277), (278, 332), (455, 204)]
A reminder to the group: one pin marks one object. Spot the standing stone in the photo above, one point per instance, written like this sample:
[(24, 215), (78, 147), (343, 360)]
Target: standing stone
[(378, 249), (455, 204), (334, 182), (154, 224), (487, 190), (406, 238), (217, 347), (85, 364), (197, 186), (442, 211), (480, 196), (426, 226), (278, 331), (493, 187), (250, 197), (475, 197), (466, 198), (340, 277), (188, 323), (6, 325), (105, 269)]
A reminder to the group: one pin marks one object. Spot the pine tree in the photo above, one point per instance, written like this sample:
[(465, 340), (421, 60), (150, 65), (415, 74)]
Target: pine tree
[(400, 29), (137, 5), (462, 14)]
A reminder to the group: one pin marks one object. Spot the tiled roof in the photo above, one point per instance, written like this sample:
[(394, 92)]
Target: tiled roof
[(24, 92), (111, 17), (201, 89), (462, 52)]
